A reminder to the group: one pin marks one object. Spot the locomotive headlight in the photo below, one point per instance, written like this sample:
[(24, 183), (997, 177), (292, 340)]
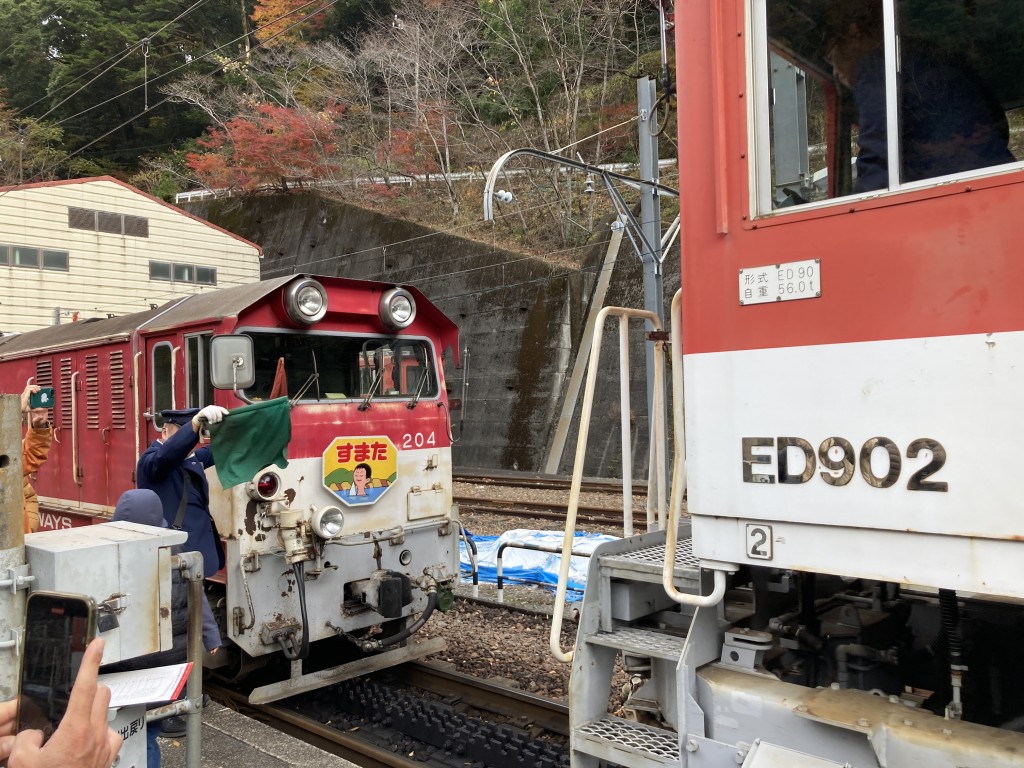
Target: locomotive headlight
[(397, 308), (265, 487), (306, 301), (328, 522)]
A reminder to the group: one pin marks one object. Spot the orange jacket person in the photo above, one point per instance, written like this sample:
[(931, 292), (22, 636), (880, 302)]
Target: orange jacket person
[(35, 448)]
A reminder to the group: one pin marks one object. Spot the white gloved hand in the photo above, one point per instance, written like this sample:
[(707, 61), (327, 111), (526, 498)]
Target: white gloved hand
[(211, 414)]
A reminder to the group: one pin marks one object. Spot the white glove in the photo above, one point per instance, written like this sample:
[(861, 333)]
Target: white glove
[(211, 414)]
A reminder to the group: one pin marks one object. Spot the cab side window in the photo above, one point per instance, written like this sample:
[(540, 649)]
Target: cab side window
[(932, 85)]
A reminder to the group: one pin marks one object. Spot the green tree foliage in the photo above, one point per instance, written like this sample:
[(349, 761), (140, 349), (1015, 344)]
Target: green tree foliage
[(29, 150), (93, 67)]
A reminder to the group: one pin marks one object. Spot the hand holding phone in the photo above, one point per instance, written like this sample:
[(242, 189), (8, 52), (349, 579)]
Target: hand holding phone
[(83, 739), (58, 628), (42, 398)]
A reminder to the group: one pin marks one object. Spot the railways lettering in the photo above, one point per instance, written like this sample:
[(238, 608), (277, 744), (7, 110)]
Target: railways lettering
[(330, 560)]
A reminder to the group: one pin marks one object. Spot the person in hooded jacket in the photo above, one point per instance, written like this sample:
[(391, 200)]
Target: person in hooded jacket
[(144, 508)]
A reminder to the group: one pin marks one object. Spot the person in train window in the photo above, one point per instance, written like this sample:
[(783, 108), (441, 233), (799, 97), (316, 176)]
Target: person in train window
[(175, 469), (35, 449), (949, 121)]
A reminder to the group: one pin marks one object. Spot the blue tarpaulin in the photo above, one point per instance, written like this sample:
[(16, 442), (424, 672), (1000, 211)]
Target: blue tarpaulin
[(527, 565)]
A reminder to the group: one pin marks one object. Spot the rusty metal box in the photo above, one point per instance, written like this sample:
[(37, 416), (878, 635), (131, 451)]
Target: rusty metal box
[(124, 567)]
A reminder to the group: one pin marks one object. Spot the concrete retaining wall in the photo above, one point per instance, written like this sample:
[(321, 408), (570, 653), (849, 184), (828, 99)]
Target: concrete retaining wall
[(521, 318)]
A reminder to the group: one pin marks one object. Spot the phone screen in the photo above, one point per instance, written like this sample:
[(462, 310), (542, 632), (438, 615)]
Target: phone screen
[(57, 630), (41, 399)]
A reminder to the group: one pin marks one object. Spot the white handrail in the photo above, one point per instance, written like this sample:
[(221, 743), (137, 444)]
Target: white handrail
[(624, 315), (679, 481)]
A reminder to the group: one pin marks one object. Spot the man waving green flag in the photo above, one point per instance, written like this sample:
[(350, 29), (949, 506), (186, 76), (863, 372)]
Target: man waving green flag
[(250, 438)]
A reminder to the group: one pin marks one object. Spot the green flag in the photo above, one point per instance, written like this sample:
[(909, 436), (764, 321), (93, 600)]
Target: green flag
[(250, 438)]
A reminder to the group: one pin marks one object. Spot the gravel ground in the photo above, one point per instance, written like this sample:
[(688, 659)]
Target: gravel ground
[(492, 642)]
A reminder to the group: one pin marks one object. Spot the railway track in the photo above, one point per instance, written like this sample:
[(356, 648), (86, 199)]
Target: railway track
[(539, 510), (419, 714), (546, 482)]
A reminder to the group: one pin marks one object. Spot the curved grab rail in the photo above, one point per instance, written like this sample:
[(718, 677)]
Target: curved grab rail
[(624, 315), (679, 481)]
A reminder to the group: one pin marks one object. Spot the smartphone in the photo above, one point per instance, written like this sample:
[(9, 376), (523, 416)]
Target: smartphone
[(42, 399), (58, 627)]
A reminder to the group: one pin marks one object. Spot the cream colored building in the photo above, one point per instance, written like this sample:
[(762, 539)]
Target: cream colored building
[(83, 248)]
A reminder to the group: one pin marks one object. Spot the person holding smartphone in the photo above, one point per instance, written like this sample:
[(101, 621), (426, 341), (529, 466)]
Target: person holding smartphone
[(82, 740), (35, 449)]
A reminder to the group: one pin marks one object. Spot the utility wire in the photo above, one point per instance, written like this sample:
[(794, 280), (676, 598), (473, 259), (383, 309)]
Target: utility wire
[(195, 60), (110, 63)]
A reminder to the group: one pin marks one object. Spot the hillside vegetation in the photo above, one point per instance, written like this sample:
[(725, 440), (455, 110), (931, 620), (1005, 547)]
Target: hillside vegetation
[(279, 94)]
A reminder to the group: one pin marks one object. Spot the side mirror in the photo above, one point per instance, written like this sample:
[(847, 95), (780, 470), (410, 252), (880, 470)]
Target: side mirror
[(231, 362)]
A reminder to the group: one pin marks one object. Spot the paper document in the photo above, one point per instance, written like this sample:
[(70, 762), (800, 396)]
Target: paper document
[(142, 686)]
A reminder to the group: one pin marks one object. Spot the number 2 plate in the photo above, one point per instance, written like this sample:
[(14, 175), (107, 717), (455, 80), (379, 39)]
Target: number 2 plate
[(759, 542)]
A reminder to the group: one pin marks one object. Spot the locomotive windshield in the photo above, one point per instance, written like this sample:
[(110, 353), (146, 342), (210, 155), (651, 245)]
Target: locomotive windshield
[(848, 84), (336, 367)]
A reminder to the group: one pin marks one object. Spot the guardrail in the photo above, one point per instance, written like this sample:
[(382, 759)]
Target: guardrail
[(206, 194)]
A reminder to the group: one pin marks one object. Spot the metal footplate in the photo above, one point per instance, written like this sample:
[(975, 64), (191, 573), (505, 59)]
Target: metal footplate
[(634, 641), (645, 564), (626, 743)]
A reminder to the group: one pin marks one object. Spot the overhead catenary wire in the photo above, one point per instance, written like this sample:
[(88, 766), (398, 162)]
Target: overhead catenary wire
[(109, 64), (219, 68), (326, 4)]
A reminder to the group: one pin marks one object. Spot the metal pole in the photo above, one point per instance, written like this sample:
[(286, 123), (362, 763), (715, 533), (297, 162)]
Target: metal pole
[(12, 540), (572, 394), (650, 225), (191, 564)]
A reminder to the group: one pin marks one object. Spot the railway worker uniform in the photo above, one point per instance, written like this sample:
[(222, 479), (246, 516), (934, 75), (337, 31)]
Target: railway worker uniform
[(174, 468)]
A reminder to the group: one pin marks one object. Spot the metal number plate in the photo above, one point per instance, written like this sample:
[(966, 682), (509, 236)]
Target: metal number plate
[(780, 282), (759, 542)]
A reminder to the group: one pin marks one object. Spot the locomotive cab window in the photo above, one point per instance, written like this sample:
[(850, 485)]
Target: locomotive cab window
[(845, 85), (340, 367)]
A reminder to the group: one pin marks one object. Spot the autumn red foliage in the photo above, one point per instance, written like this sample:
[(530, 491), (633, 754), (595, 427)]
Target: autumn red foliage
[(272, 147), (289, 21)]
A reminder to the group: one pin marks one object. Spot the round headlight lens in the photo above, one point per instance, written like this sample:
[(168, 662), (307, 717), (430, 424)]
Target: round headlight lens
[(401, 309), (310, 301), (305, 301), (397, 309), (328, 522), (265, 487)]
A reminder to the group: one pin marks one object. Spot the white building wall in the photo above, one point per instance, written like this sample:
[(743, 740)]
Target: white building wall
[(107, 273)]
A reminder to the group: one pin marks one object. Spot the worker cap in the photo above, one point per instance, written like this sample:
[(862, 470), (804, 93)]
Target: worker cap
[(179, 417)]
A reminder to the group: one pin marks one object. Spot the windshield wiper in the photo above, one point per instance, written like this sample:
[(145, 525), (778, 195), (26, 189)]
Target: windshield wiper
[(423, 381)]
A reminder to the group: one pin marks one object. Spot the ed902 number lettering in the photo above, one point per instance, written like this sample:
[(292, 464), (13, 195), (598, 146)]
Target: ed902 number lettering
[(839, 460)]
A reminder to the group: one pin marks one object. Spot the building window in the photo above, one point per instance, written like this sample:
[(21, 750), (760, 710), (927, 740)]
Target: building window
[(55, 260), (34, 258), (23, 256), (182, 273), (108, 221)]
